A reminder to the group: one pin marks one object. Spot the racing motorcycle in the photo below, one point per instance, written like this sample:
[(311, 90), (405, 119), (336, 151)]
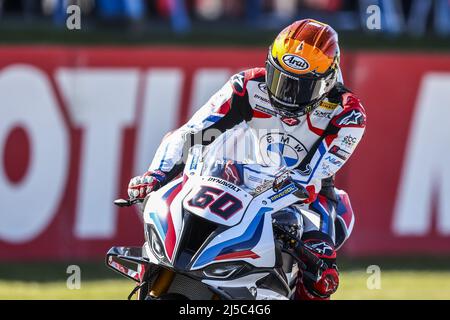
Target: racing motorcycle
[(217, 232)]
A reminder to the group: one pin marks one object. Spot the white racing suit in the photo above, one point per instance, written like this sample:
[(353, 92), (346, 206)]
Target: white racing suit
[(318, 144)]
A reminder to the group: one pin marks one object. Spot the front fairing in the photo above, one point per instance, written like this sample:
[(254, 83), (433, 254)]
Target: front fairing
[(197, 237), (248, 231)]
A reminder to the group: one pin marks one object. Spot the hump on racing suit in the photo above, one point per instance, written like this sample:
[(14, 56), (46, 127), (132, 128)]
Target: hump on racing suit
[(334, 130)]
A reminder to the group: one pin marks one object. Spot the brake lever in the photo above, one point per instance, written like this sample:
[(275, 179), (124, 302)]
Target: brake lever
[(127, 202), (312, 262)]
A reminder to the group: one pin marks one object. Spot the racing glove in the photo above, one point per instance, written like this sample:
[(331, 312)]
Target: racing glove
[(140, 186), (328, 282)]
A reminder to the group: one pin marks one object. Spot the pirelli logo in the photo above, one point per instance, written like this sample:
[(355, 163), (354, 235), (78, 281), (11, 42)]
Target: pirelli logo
[(328, 105)]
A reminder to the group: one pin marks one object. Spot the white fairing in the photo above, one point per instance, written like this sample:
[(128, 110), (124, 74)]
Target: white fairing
[(206, 213), (242, 213), (250, 283)]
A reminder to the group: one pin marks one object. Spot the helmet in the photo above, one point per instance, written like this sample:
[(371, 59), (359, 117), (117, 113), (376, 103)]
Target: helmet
[(302, 67)]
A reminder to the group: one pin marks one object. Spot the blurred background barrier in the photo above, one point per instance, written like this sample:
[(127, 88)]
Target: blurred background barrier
[(398, 16), (77, 122), (217, 21)]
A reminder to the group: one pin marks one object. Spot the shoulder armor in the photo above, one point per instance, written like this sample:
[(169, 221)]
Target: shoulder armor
[(239, 80), (353, 113)]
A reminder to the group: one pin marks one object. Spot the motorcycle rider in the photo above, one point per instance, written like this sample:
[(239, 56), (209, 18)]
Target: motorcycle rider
[(299, 107)]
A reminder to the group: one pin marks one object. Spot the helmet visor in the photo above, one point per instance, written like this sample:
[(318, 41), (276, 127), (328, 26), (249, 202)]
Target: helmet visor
[(294, 92)]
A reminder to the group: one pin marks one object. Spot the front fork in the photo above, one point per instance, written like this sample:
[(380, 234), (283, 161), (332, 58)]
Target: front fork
[(162, 283), (152, 281)]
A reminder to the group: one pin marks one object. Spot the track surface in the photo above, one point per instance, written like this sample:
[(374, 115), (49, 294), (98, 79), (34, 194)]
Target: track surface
[(48, 281)]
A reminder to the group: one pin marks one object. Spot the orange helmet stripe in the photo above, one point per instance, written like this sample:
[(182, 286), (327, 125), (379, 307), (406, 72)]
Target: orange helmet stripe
[(306, 46)]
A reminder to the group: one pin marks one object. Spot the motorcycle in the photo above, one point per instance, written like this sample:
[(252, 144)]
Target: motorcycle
[(217, 231)]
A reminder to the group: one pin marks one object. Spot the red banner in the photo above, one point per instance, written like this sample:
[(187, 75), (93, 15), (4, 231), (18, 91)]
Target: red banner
[(398, 179), (77, 123)]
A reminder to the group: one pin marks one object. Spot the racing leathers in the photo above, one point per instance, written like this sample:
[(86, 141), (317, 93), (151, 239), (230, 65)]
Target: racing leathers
[(317, 144)]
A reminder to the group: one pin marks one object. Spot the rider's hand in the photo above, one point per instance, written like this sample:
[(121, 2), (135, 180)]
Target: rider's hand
[(140, 186), (328, 282)]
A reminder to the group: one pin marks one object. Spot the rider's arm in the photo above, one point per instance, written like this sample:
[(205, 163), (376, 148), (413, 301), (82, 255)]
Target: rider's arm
[(224, 110), (336, 145)]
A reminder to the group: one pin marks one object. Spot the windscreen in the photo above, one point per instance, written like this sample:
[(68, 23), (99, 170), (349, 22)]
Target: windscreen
[(235, 156)]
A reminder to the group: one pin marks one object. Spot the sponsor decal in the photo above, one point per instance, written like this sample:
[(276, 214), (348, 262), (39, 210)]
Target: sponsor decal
[(349, 141), (354, 118), (334, 161), (282, 149), (238, 81), (322, 114), (266, 185), (263, 87), (340, 153), (254, 179), (266, 110), (224, 183), (283, 192), (321, 247), (326, 170), (290, 121), (280, 180), (328, 105), (263, 99), (295, 62)]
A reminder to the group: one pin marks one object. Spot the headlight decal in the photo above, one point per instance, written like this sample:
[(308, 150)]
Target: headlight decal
[(158, 225), (237, 255)]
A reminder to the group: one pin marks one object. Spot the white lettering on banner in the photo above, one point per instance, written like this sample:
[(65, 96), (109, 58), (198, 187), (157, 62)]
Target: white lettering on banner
[(27, 99), (426, 170), (163, 91), (103, 103), (204, 84)]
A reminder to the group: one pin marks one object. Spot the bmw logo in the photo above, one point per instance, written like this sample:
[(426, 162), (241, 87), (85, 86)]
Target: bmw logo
[(282, 149)]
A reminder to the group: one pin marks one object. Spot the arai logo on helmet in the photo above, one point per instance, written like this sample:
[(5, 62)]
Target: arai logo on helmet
[(295, 62)]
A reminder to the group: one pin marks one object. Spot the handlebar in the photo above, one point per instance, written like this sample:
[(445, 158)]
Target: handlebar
[(301, 254)]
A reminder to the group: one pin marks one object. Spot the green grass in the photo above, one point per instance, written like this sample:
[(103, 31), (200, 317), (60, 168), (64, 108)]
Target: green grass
[(400, 279), (407, 285), (90, 289), (394, 285)]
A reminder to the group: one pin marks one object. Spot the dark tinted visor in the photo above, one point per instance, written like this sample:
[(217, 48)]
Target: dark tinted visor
[(292, 91)]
